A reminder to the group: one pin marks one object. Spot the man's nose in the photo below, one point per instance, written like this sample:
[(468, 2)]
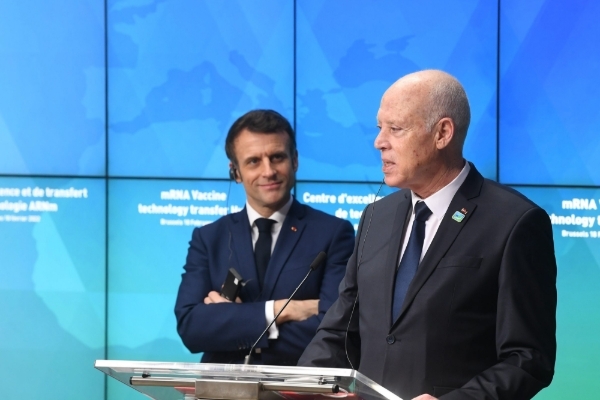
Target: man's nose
[(380, 141), (269, 168)]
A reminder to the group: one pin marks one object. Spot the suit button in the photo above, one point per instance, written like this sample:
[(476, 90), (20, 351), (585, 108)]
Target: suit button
[(390, 339)]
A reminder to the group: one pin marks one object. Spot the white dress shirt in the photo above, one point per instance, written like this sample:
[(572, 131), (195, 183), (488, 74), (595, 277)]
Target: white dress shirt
[(278, 217), (438, 203)]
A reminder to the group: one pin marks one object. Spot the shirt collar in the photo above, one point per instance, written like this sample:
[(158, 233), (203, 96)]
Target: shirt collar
[(277, 216), (439, 202)]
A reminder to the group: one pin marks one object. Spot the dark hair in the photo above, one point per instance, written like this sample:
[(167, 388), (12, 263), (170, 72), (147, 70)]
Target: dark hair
[(259, 121)]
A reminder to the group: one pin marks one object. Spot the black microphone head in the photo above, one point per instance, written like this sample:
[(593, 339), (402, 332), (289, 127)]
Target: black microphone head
[(320, 259)]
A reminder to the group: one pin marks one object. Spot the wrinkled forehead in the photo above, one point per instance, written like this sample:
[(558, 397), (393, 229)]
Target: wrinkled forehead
[(401, 99)]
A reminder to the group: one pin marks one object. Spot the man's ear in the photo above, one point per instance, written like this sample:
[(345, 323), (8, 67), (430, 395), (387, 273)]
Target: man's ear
[(444, 133), (234, 173)]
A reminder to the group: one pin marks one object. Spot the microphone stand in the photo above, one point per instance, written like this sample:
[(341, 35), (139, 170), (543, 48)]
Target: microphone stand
[(314, 265)]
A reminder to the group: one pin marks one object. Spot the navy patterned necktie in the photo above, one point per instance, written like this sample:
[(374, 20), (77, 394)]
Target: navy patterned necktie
[(411, 257), (262, 248)]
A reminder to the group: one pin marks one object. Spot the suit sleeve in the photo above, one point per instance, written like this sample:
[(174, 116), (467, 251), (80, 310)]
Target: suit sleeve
[(294, 336), (332, 347), (526, 316), (213, 327)]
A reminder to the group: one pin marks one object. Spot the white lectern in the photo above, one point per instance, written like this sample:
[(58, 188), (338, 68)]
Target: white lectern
[(187, 381)]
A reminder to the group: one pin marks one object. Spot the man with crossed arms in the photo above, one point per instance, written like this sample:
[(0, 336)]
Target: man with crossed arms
[(271, 243)]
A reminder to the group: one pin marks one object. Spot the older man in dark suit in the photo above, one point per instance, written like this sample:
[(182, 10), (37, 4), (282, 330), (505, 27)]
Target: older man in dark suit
[(451, 290)]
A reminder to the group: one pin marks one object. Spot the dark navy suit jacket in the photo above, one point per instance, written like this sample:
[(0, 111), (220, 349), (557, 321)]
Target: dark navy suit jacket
[(479, 317), (226, 331)]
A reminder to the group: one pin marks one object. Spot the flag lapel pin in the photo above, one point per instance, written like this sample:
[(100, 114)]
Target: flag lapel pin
[(458, 216)]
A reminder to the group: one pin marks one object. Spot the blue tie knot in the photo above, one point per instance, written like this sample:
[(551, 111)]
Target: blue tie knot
[(422, 212)]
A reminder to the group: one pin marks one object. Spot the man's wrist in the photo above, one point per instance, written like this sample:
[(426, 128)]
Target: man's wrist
[(269, 316)]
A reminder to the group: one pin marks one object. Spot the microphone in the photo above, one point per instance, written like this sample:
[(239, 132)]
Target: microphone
[(319, 259)]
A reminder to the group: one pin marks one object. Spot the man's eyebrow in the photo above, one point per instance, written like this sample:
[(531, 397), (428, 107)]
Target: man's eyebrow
[(249, 158)]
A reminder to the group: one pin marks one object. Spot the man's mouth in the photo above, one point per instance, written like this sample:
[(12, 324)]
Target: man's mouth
[(386, 164), (271, 185)]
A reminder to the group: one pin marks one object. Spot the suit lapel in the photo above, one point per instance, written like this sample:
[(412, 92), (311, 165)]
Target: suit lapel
[(445, 235), (241, 242), (391, 264), (290, 233)]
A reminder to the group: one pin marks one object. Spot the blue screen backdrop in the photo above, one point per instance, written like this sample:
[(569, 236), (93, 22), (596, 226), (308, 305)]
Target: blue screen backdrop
[(342, 199), (52, 96), (348, 56), (180, 73), (548, 97), (52, 286), (113, 116), (576, 222)]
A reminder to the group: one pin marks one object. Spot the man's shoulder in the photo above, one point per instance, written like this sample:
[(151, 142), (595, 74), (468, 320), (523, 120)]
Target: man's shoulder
[(506, 204), (223, 222), (501, 199), (505, 195), (392, 199)]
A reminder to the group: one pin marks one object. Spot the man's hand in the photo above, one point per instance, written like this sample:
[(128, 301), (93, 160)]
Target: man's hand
[(425, 397), (214, 297), (297, 310)]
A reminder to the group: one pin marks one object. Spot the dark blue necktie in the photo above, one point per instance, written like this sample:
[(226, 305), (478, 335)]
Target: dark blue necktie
[(262, 248), (411, 258)]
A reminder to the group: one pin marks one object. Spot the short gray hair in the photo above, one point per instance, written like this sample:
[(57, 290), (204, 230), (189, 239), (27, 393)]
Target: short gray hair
[(449, 99)]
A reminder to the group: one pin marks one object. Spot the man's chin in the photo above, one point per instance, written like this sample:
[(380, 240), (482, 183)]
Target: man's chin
[(393, 181), (389, 180), (276, 200)]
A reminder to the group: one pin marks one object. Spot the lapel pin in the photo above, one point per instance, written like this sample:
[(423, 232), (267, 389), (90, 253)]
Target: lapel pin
[(294, 229), (463, 210), (458, 216)]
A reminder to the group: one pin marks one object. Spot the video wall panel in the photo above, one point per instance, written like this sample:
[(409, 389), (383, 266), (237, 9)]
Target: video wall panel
[(548, 97), (344, 200), (576, 225), (180, 73), (52, 286), (347, 56), (52, 101)]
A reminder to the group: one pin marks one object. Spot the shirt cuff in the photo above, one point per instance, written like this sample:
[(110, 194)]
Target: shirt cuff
[(269, 315)]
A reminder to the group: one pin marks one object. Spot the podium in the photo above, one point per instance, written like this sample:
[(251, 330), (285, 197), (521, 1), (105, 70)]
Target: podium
[(190, 381)]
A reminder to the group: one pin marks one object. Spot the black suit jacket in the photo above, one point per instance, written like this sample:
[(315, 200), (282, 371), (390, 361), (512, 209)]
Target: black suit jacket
[(478, 321), (226, 331)]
